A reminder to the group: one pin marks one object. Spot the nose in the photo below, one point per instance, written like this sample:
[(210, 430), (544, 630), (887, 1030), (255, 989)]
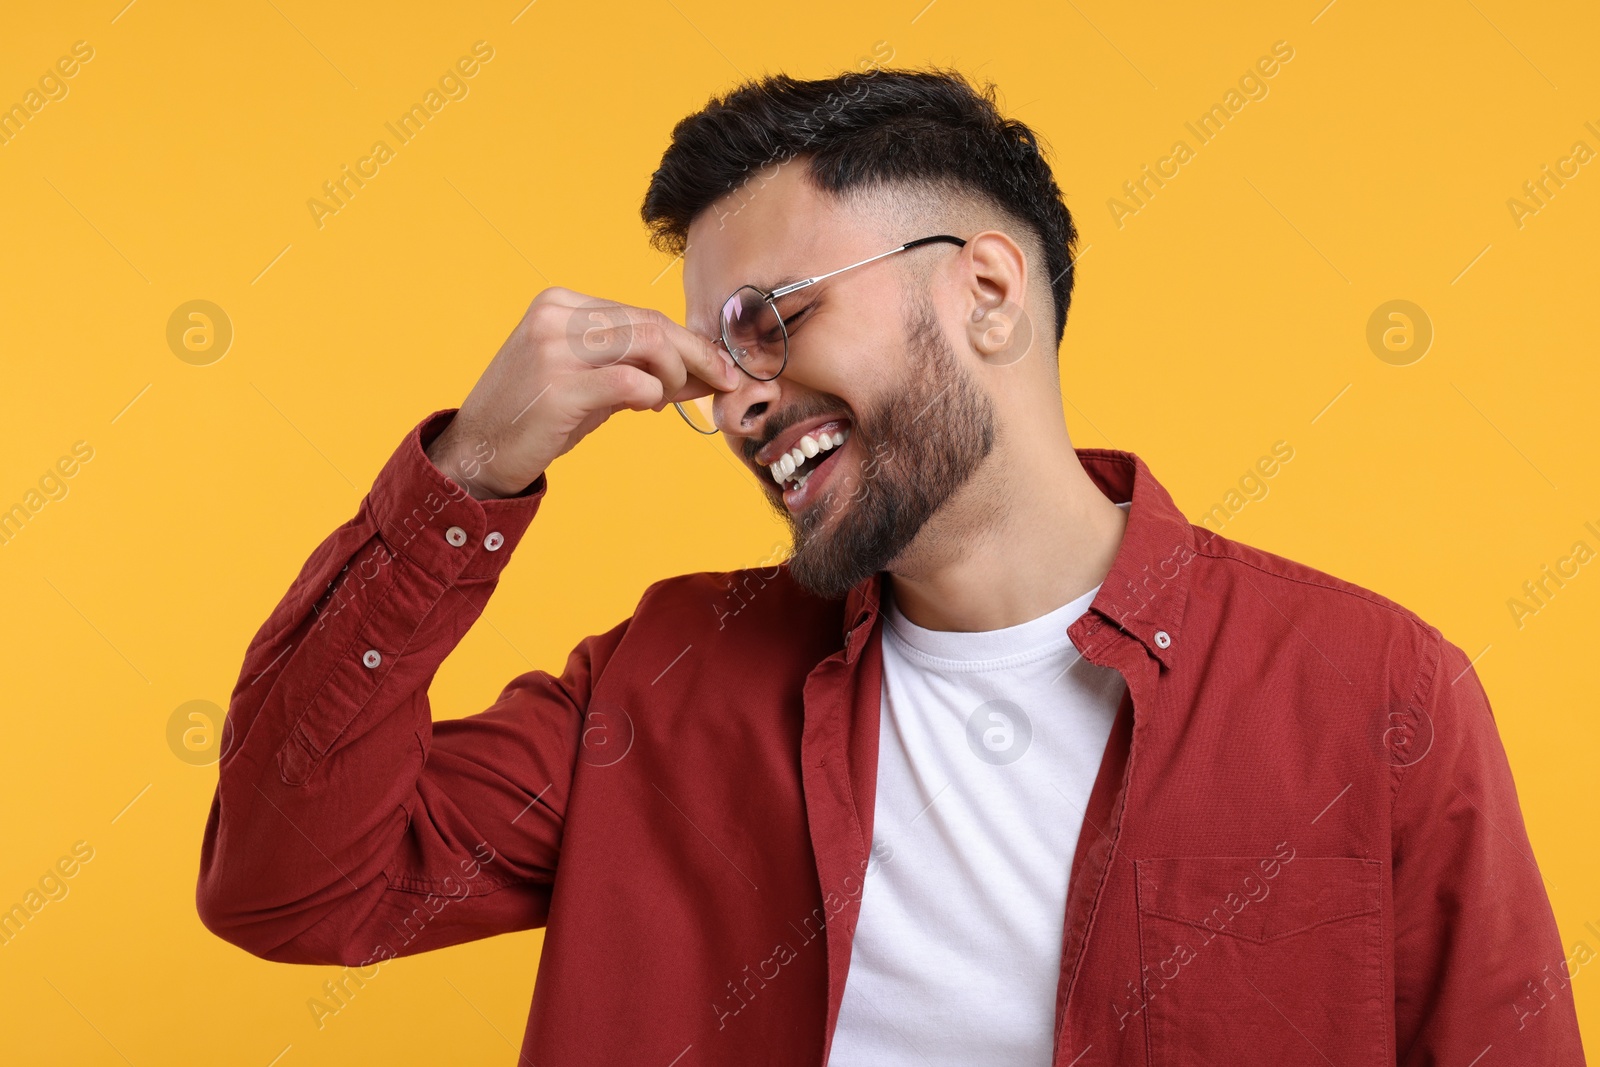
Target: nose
[(742, 412)]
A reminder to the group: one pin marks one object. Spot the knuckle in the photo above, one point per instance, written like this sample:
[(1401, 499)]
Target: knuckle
[(552, 294), (618, 378), (635, 382), (649, 333), (544, 319), (600, 335)]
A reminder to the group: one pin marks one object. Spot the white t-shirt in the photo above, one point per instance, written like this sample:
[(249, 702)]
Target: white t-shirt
[(988, 747)]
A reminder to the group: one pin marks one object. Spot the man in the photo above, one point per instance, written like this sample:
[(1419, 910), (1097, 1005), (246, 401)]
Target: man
[(1009, 763)]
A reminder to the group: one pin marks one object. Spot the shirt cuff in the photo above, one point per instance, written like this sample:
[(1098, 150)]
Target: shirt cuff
[(433, 521)]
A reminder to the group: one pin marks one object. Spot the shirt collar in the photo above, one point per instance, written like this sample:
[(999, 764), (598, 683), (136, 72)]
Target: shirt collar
[(1147, 588)]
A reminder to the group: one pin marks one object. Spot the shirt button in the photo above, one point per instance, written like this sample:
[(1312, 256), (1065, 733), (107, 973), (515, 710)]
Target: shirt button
[(456, 536), (371, 658), (1163, 639), (494, 540)]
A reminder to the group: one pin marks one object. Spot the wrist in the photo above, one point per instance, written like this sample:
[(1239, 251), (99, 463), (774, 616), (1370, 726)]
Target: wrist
[(453, 460), (471, 465)]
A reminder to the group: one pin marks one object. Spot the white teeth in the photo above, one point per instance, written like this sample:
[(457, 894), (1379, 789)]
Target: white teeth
[(782, 469)]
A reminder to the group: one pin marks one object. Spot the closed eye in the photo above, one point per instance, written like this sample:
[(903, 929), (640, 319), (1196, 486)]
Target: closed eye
[(788, 323), (775, 335)]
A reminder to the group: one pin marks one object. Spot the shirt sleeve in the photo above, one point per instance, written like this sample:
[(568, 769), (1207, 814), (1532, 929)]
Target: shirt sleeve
[(348, 827), (1478, 957)]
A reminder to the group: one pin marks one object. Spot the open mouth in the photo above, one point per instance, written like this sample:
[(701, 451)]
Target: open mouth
[(813, 450), (807, 460)]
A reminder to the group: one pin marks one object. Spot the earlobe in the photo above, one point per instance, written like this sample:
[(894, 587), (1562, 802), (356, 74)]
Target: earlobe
[(995, 336), (1008, 335)]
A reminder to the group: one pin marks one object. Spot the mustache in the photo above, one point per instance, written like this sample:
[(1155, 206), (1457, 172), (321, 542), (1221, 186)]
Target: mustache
[(801, 410)]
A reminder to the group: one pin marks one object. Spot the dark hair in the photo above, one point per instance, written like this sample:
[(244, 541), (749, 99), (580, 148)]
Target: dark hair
[(857, 130)]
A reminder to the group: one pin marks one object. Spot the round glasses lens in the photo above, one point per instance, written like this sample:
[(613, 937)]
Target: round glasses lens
[(754, 333), (697, 413)]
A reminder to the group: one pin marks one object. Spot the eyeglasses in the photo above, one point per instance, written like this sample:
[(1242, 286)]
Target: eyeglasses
[(755, 330)]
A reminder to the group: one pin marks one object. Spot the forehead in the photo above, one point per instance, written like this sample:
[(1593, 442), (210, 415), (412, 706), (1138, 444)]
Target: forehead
[(775, 228)]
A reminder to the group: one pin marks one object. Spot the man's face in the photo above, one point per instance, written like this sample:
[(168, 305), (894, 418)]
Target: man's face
[(869, 362)]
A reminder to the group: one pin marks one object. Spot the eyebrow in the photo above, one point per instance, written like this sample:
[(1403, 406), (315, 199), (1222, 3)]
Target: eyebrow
[(769, 284)]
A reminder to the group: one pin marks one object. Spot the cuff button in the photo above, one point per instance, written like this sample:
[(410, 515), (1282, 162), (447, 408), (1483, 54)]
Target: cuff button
[(494, 541), (456, 536)]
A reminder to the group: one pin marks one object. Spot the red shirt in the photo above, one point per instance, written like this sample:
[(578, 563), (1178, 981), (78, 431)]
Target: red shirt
[(1303, 846)]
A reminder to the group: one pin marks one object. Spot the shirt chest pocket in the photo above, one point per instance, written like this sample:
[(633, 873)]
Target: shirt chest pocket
[(1262, 960)]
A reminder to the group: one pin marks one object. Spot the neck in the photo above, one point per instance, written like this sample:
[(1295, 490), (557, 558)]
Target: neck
[(1028, 533)]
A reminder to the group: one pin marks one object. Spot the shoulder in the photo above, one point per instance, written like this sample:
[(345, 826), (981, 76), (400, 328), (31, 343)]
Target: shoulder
[(1342, 619), (1339, 656)]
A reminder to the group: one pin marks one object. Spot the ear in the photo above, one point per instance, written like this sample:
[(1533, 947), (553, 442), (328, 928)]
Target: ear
[(998, 327)]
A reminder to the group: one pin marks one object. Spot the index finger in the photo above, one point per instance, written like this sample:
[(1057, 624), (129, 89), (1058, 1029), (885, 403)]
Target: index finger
[(649, 338), (704, 359)]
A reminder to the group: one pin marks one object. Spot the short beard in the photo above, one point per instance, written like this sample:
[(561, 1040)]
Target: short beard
[(921, 444)]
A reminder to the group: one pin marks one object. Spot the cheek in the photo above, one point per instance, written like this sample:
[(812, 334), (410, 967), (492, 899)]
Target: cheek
[(863, 369)]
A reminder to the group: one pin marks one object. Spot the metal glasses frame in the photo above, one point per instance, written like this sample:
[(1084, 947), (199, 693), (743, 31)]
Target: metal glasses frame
[(785, 290)]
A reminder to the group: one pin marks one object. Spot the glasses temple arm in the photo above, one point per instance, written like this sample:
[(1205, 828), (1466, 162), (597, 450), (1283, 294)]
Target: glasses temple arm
[(784, 290)]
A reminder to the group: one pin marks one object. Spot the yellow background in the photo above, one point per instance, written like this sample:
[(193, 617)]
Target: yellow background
[(1227, 314)]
